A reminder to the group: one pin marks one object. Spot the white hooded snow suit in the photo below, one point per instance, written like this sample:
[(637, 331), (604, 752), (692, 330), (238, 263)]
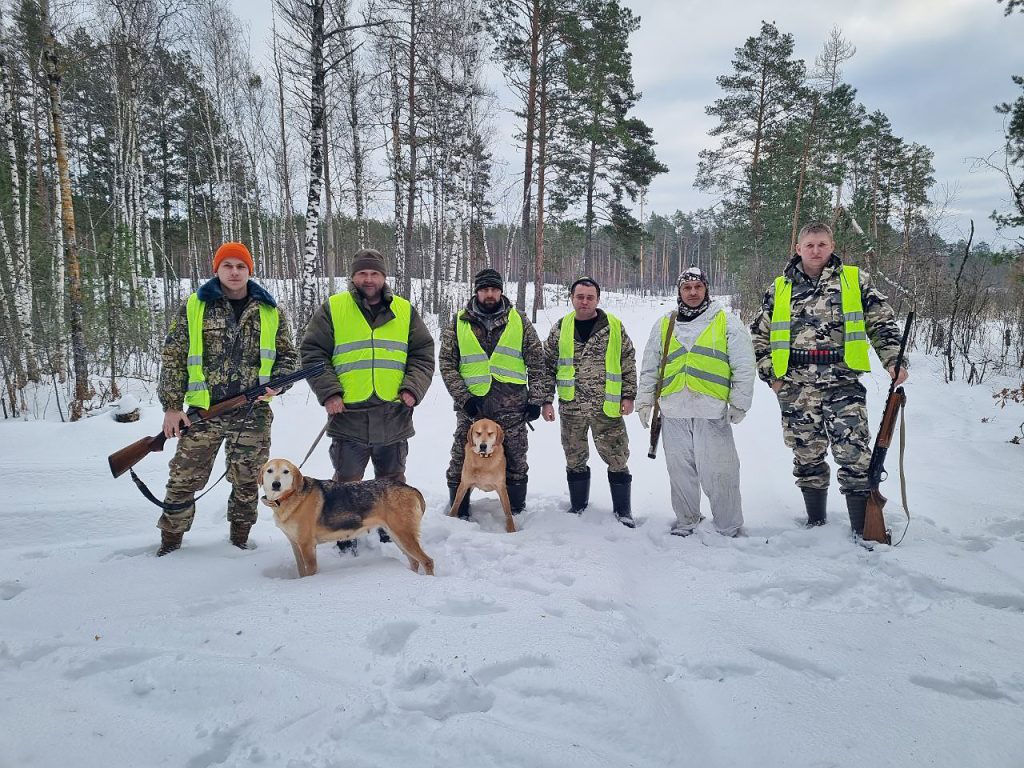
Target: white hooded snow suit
[(696, 427)]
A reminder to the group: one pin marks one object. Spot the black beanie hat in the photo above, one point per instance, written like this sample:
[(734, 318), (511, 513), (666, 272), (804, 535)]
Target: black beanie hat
[(488, 278), (585, 281), (368, 258)]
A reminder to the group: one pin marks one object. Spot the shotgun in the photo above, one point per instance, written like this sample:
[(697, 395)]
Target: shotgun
[(874, 519), (126, 458), (652, 452)]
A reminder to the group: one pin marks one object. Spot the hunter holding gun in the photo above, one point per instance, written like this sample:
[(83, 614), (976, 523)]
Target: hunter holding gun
[(698, 370), (811, 341), (228, 337)]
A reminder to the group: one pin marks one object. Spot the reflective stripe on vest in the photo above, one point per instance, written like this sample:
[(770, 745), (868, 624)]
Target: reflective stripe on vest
[(705, 368), (369, 361), (855, 338), (198, 394), (565, 376), (505, 364)]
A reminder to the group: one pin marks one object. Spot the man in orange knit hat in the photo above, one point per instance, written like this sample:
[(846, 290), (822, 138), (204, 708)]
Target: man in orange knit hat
[(229, 336)]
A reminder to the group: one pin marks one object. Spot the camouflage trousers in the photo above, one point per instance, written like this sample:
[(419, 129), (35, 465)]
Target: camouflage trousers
[(609, 436), (246, 450), (350, 458), (814, 418), (516, 444)]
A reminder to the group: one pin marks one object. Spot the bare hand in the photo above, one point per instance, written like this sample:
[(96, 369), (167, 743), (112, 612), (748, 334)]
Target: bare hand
[(269, 394), (777, 385), (408, 398), (334, 405), (627, 406), (173, 423), (547, 412), (901, 378)]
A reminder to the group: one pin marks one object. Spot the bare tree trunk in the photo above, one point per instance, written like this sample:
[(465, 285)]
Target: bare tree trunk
[(542, 145), (531, 119), (19, 265), (957, 295), (83, 390), (800, 182), (410, 203), (316, 109)]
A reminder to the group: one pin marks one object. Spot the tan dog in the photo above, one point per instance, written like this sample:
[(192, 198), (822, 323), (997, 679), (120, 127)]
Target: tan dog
[(311, 511), (484, 466)]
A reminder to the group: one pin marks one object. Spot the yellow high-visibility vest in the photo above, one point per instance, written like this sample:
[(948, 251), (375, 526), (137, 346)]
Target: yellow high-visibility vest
[(197, 394), (705, 367), (369, 361), (855, 337), (505, 364), (565, 376)]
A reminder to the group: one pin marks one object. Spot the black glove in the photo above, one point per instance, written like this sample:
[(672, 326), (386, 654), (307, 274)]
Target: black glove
[(532, 412), (473, 406)]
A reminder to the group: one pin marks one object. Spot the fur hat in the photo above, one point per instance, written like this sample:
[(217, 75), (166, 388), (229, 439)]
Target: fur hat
[(367, 258), (233, 251), (488, 278)]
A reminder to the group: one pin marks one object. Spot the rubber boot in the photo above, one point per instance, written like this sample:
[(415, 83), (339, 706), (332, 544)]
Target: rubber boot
[(621, 483), (815, 500), (240, 535), (169, 541), (517, 496), (579, 490), (856, 505), (464, 506)]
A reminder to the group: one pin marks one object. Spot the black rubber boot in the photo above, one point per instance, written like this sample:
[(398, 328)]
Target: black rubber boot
[(856, 505), (815, 500), (464, 506), (169, 541), (621, 483), (579, 490), (517, 496)]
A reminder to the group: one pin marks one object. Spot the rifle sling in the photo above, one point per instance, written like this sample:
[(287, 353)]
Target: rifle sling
[(903, 476), (170, 506)]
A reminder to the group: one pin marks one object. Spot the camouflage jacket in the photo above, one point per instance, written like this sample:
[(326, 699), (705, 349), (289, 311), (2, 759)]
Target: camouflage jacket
[(373, 422), (588, 357), (503, 398), (817, 323), (231, 350)]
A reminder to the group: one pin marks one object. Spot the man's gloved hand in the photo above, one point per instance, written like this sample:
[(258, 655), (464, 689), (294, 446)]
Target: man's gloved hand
[(532, 412), (644, 411), (473, 406), (736, 414)]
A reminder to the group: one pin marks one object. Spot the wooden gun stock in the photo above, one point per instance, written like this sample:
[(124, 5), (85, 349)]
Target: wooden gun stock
[(874, 520), (126, 458)]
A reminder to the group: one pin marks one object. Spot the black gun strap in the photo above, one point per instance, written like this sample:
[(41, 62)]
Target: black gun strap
[(170, 506)]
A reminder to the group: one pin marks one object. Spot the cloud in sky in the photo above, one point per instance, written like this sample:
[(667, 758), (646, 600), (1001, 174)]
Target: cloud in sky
[(935, 67)]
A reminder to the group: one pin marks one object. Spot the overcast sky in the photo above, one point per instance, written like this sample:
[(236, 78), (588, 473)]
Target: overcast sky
[(935, 67)]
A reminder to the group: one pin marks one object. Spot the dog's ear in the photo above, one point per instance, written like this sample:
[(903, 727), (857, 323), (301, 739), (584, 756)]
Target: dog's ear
[(500, 434), (296, 476), (263, 473)]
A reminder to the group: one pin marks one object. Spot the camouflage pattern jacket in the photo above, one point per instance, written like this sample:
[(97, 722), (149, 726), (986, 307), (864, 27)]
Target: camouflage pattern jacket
[(503, 398), (588, 357), (373, 422), (231, 350), (817, 323)]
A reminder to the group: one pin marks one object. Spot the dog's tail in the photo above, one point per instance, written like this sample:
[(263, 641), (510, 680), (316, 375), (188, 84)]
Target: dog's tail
[(423, 503)]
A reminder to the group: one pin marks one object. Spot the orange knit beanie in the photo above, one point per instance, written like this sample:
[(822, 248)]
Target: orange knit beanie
[(233, 251)]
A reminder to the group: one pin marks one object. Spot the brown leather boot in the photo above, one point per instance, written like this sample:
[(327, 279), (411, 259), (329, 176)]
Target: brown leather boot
[(169, 541), (240, 535)]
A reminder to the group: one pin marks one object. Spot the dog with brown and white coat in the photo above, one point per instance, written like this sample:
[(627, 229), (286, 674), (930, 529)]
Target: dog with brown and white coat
[(312, 512)]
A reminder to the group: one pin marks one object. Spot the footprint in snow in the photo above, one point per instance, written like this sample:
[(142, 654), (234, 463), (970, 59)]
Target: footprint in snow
[(469, 605), (794, 663), (10, 590), (981, 687), (390, 639)]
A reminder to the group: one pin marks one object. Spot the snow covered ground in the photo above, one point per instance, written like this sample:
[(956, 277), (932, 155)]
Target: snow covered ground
[(573, 643)]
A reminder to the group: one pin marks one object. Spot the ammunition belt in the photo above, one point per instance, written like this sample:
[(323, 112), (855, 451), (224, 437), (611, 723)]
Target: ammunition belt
[(815, 356)]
